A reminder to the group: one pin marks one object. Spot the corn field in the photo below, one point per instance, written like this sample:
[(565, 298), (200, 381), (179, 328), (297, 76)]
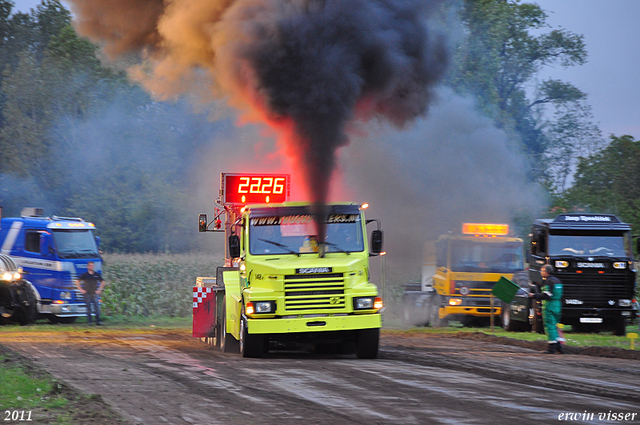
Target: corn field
[(153, 284)]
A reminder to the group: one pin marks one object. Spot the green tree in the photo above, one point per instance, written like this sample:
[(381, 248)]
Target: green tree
[(609, 181), (571, 136), (25, 121), (504, 50)]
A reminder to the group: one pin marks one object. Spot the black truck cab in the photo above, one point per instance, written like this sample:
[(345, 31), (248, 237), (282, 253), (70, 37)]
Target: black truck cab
[(593, 258)]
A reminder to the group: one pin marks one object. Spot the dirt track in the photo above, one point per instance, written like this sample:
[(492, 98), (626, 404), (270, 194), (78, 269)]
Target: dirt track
[(168, 377)]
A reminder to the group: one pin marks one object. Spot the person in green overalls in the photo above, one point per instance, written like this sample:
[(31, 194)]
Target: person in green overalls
[(551, 296)]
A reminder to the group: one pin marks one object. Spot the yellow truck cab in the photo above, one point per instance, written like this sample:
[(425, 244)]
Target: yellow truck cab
[(459, 273), (281, 285)]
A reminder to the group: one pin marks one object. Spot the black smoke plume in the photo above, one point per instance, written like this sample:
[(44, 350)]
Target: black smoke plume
[(306, 68)]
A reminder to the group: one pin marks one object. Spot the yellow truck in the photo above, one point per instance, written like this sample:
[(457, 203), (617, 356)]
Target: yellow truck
[(280, 285), (458, 274)]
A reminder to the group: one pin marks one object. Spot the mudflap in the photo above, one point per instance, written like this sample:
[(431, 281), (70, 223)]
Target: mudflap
[(205, 309)]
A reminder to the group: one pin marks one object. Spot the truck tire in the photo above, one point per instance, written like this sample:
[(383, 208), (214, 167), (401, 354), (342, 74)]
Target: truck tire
[(510, 325), (619, 327), (228, 344), (250, 345), (23, 309), (29, 310), (538, 323), (368, 343), (426, 312), (6, 315), (434, 313), (505, 317)]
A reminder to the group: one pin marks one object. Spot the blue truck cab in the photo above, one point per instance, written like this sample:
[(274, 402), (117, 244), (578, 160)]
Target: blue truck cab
[(53, 252)]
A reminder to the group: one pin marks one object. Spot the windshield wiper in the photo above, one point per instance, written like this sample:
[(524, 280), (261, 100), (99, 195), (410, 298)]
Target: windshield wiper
[(337, 247), (279, 245), (88, 253), (69, 253)]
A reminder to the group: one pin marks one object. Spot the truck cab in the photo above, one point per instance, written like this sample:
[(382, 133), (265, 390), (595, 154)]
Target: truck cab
[(592, 256), (459, 272), (52, 252)]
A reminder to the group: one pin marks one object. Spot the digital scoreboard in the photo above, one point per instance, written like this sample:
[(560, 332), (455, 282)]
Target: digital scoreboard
[(249, 188)]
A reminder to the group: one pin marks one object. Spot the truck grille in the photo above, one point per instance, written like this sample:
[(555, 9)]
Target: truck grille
[(314, 292), (476, 288), (78, 295), (595, 290)]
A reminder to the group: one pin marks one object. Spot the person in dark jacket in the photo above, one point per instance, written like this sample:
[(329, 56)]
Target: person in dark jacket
[(551, 297), (90, 285)]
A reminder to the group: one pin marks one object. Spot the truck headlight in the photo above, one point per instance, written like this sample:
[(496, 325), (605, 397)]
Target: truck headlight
[(619, 265), (367, 303), (624, 303), (6, 276), (562, 264), (260, 307), (363, 303), (455, 301)]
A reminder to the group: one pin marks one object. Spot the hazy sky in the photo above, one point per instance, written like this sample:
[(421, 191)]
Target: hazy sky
[(611, 77)]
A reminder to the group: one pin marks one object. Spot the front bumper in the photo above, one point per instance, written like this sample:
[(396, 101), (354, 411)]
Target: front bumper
[(469, 311), (64, 310), (597, 313), (314, 323)]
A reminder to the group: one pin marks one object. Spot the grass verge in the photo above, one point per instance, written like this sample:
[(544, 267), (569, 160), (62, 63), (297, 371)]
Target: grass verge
[(604, 339), (30, 394)]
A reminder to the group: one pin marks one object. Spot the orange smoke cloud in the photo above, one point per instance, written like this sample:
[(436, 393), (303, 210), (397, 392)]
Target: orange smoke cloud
[(305, 68)]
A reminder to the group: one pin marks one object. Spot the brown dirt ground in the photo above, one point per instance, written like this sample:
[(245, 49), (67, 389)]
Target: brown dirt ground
[(91, 409)]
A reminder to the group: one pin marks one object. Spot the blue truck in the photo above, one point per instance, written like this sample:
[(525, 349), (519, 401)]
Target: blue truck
[(51, 253)]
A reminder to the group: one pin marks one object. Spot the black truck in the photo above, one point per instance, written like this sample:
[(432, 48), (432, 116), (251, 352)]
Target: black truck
[(592, 256)]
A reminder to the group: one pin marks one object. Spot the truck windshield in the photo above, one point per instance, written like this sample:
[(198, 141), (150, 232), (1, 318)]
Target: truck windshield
[(296, 234), (75, 243), (574, 245), (484, 257)]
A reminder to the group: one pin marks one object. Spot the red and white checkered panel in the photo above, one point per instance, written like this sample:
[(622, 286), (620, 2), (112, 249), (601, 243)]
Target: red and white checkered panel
[(199, 294), (204, 311)]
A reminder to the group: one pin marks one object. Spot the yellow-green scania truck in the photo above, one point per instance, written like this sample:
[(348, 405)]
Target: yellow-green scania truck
[(280, 284)]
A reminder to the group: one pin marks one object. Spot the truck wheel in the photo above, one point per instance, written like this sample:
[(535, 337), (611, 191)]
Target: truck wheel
[(228, 344), (425, 314), (619, 327), (434, 313), (538, 323), (507, 323), (250, 345), (29, 309), (368, 343), (6, 315)]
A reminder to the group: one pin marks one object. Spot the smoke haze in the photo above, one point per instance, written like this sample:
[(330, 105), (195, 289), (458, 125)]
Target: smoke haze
[(303, 67), (451, 167), (320, 75)]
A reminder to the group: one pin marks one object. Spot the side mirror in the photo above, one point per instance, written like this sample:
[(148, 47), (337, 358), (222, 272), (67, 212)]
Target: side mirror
[(98, 241), (234, 246), (46, 247), (376, 241), (202, 223)]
